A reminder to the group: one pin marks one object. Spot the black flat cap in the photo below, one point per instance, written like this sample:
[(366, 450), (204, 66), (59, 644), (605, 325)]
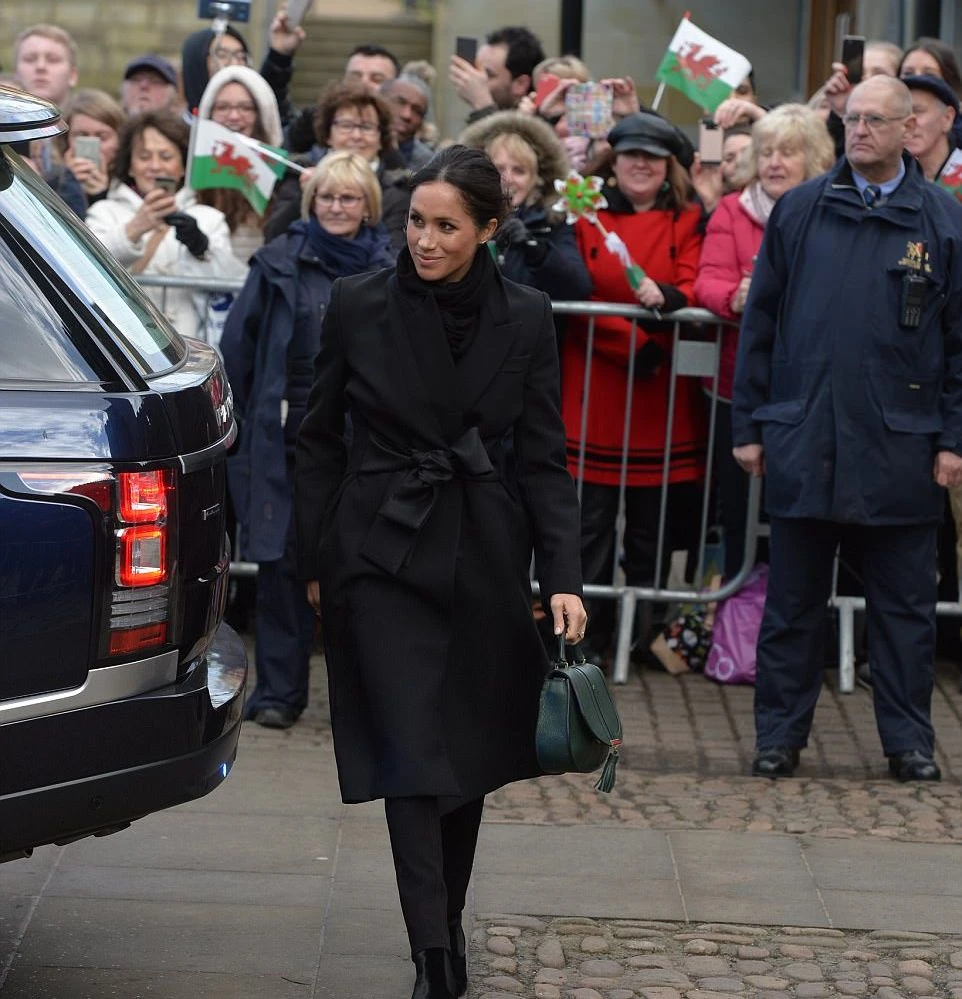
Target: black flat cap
[(645, 131)]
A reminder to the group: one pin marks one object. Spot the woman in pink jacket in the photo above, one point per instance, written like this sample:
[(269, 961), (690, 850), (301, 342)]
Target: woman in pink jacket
[(789, 145)]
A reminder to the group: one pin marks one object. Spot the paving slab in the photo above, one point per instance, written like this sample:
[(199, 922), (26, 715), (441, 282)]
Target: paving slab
[(172, 936)]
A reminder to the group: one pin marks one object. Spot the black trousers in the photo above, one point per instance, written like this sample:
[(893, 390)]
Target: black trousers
[(433, 857), (898, 565)]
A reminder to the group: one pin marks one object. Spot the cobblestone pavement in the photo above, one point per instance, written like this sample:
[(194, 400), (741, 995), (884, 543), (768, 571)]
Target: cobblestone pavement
[(576, 958), (688, 748)]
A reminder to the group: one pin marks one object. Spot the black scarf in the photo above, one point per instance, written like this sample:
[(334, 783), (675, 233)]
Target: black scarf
[(458, 302), (340, 256)]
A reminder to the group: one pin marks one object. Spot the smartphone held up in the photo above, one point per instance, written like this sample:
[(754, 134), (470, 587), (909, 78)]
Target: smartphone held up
[(466, 48), (711, 137), (853, 56)]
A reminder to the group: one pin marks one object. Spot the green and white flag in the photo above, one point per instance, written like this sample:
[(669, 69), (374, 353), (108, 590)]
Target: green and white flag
[(701, 67), (222, 158)]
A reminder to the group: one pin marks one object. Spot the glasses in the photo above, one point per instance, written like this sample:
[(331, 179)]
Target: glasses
[(227, 57), (872, 121), (248, 110), (346, 125), (344, 200)]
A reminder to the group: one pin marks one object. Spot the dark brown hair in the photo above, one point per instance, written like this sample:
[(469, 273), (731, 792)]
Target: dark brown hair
[(943, 55), (474, 175), (675, 194), (170, 125), (344, 94)]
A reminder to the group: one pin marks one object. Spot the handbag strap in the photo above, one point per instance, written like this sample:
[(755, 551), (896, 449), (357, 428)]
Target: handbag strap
[(578, 656)]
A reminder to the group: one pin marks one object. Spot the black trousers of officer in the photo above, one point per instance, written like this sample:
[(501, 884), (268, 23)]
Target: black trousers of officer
[(433, 855), (899, 568)]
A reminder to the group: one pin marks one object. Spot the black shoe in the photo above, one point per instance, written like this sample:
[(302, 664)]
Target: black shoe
[(435, 978), (274, 717), (779, 761), (459, 956), (914, 765)]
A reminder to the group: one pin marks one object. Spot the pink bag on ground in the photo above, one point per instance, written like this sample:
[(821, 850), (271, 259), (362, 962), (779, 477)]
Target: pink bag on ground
[(735, 636)]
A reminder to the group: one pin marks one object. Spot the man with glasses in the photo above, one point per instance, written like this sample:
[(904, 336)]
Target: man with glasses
[(205, 52), (848, 399), (150, 84)]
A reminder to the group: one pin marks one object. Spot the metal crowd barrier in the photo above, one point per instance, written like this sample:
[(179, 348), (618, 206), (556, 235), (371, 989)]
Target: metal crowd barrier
[(696, 337)]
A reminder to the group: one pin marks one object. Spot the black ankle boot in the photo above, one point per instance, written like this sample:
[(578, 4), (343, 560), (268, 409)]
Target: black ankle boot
[(435, 979), (459, 956)]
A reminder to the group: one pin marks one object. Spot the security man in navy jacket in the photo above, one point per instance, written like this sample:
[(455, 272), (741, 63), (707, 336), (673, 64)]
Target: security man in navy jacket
[(848, 399)]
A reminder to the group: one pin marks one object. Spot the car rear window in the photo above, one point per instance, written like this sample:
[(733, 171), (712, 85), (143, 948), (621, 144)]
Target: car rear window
[(63, 243)]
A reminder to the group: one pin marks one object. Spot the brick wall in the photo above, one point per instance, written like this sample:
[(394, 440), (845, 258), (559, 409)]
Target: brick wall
[(111, 32)]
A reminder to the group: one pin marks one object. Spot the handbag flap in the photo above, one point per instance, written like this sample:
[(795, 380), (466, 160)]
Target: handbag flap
[(594, 701)]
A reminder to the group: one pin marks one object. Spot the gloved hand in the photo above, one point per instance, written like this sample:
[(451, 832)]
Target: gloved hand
[(511, 232), (189, 233), (649, 357)]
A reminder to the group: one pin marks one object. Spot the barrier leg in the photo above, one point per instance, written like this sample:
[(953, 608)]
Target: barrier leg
[(626, 622), (846, 647)]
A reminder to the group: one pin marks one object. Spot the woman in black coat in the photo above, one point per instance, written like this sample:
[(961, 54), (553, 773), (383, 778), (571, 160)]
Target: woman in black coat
[(417, 543), (270, 340)]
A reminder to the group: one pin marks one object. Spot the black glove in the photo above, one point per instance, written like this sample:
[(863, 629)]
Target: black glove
[(189, 233), (649, 357), (511, 232)]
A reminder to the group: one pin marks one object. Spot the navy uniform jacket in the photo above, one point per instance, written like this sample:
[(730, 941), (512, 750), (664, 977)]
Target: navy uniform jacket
[(850, 405)]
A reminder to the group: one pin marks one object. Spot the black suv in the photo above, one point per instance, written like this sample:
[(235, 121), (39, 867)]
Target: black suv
[(120, 689)]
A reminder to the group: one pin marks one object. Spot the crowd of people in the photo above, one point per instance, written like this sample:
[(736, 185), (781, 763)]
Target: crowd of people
[(393, 342)]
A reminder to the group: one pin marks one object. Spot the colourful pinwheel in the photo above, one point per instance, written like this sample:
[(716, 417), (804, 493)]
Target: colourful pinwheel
[(581, 197)]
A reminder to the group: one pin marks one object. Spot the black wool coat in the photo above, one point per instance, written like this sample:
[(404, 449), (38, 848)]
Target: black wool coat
[(421, 537)]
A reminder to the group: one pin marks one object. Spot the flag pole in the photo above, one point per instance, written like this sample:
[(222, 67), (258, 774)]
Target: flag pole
[(659, 93), (267, 151)]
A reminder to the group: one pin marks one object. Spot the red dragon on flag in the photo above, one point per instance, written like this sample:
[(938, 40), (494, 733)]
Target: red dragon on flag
[(697, 67), (226, 158)]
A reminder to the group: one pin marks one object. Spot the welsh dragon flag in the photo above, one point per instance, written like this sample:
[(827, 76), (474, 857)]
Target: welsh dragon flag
[(950, 177), (701, 67), (222, 158)]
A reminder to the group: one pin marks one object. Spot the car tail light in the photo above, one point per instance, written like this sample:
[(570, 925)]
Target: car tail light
[(138, 509), (142, 555), (96, 484)]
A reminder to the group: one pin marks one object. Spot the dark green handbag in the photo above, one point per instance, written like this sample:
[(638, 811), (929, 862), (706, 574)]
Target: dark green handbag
[(578, 724)]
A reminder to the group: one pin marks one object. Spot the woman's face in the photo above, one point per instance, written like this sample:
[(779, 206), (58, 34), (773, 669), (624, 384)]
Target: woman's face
[(518, 178), (83, 124), (933, 121), (235, 108), (153, 155), (920, 63), (780, 168), (340, 208), (356, 129), (639, 176), (731, 150), (442, 237)]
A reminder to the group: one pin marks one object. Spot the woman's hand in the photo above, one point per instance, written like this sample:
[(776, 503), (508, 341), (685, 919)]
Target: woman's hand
[(649, 294), (624, 96), (285, 38), (156, 204), (741, 294), (837, 88), (569, 616), (92, 176), (732, 111), (706, 178), (314, 595)]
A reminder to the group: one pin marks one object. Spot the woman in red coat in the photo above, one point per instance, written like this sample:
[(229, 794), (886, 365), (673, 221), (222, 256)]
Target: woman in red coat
[(789, 145), (650, 207)]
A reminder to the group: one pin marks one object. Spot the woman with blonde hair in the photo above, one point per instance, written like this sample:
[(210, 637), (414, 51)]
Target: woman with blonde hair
[(789, 145), (271, 337)]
